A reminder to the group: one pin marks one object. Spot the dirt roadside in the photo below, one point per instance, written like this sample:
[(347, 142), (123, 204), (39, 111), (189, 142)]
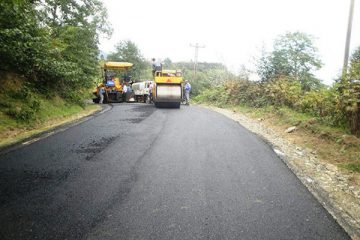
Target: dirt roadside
[(332, 187)]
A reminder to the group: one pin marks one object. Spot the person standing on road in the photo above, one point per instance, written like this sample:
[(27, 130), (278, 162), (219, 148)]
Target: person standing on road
[(101, 94), (151, 86), (187, 92), (125, 89)]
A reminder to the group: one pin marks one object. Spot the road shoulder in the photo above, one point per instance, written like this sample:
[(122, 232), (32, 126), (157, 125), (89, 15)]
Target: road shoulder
[(26, 137), (339, 196)]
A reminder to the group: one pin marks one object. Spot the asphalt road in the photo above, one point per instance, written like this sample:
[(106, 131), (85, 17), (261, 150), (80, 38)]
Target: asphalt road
[(136, 172)]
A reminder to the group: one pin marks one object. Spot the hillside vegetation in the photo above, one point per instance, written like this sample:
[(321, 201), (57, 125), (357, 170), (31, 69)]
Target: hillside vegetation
[(48, 57), (287, 80)]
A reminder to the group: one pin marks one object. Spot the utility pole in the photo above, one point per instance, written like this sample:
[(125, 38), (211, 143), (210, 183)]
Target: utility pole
[(348, 37), (196, 46)]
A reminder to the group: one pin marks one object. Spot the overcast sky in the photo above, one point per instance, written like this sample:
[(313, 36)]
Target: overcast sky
[(232, 31)]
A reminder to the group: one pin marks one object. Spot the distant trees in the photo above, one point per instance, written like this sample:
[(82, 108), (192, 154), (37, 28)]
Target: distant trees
[(293, 56), (208, 74), (127, 51)]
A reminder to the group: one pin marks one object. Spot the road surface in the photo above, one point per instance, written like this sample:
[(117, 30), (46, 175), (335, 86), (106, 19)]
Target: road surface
[(137, 172)]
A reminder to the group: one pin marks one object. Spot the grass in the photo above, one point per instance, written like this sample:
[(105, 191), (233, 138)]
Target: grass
[(48, 114), (354, 167)]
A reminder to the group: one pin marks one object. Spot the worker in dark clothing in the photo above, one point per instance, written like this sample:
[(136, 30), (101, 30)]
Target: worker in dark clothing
[(156, 66)]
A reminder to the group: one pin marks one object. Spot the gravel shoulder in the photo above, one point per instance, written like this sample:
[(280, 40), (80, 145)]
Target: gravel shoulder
[(332, 187)]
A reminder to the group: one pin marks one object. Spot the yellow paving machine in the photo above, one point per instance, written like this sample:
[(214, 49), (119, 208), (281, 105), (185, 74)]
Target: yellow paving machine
[(115, 75)]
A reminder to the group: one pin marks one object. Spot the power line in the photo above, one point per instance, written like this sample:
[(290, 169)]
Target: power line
[(196, 46)]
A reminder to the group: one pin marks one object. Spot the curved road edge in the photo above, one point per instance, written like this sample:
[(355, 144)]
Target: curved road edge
[(343, 207), (54, 130)]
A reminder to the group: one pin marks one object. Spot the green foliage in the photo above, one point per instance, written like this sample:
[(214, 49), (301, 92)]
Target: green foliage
[(352, 93), (23, 106), (355, 64), (283, 92), (52, 43), (355, 167), (127, 51), (208, 74), (87, 14), (294, 56), (324, 104), (20, 38), (34, 111), (214, 95), (22, 114)]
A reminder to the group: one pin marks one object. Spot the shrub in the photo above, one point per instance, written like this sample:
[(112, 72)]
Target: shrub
[(324, 104), (283, 92)]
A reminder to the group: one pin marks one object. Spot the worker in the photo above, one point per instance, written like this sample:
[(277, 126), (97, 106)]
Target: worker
[(151, 85), (129, 88), (101, 94), (156, 66), (125, 89), (153, 65), (187, 92)]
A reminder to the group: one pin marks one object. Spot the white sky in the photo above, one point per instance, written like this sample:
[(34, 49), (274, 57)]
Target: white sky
[(233, 31)]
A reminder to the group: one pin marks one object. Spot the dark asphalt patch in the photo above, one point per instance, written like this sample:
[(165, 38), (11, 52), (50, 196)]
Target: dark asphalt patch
[(95, 147), (133, 120), (144, 110)]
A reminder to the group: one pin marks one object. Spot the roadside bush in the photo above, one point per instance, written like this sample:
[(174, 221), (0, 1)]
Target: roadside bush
[(245, 92), (283, 92), (23, 103), (324, 104), (21, 114), (24, 112), (214, 95)]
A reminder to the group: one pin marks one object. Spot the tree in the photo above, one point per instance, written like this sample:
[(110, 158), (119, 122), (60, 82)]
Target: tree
[(209, 74), (244, 72), (127, 51), (294, 56), (73, 28), (167, 63), (52, 43), (88, 14), (351, 93), (355, 64)]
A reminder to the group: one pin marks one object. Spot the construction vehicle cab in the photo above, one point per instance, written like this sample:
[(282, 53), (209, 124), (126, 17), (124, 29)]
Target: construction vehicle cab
[(167, 90), (115, 75)]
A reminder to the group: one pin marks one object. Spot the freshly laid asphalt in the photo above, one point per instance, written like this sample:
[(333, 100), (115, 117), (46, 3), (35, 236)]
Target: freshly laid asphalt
[(137, 172)]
